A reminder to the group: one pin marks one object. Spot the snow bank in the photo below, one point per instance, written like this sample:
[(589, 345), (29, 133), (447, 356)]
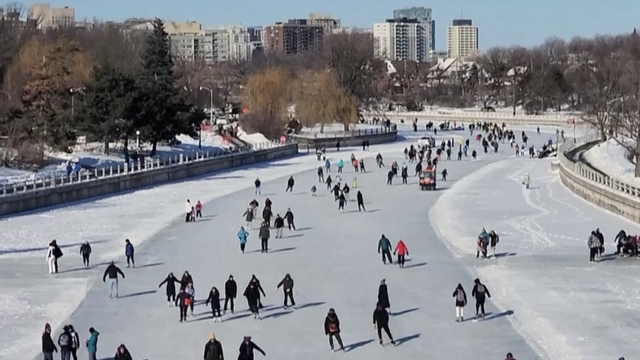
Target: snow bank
[(253, 139), (612, 159)]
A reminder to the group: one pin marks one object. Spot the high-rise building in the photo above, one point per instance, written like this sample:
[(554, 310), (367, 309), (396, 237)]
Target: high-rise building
[(462, 39), (50, 17), (293, 37), (329, 25), (190, 41), (401, 39), (424, 16)]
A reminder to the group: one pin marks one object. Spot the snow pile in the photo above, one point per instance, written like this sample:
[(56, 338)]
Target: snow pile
[(252, 139), (613, 159)]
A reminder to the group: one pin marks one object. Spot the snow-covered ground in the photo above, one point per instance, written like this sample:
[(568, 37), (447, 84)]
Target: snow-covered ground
[(613, 159), (570, 308), (255, 138)]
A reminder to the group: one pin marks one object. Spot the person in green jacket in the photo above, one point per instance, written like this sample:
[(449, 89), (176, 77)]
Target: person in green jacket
[(384, 248), (92, 343)]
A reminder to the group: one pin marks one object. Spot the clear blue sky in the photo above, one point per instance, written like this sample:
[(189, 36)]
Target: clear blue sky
[(501, 22)]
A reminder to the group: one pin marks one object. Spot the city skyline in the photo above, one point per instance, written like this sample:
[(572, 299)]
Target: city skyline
[(502, 23)]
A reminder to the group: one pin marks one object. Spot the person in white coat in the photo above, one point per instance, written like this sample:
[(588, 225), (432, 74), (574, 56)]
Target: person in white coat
[(51, 258), (187, 209)]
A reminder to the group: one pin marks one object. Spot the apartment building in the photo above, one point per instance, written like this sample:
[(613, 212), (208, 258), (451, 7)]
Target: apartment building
[(329, 24), (401, 39), (50, 17), (293, 37), (424, 16), (462, 39)]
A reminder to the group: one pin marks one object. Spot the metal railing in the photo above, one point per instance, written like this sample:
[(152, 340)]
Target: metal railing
[(56, 179), (583, 171), (371, 131), (497, 116)]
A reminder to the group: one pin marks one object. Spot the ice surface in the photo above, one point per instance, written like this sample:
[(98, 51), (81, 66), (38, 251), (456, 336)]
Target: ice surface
[(612, 159), (570, 308)]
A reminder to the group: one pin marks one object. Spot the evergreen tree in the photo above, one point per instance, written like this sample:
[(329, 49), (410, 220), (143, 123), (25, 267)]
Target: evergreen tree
[(163, 113)]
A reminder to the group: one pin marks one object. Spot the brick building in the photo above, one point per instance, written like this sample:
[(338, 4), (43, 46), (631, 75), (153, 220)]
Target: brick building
[(293, 37)]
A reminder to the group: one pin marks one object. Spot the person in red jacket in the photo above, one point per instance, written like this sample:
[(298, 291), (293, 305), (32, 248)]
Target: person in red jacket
[(402, 251), (199, 209)]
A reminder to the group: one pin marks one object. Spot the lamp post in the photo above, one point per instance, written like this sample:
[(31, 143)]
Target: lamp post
[(210, 108), (137, 140), (73, 92)]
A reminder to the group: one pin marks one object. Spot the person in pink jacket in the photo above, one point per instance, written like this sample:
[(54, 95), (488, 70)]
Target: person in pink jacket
[(402, 251)]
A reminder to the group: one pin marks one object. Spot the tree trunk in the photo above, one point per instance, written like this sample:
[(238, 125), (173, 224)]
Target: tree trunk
[(106, 146), (126, 149)]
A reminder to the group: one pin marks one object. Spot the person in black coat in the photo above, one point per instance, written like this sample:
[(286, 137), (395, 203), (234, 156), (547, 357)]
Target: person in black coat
[(183, 300), (289, 217), (85, 252), (213, 349), (480, 292), (381, 322), (383, 295), (390, 176), (247, 348), (332, 328), (230, 293), (290, 184), (266, 215), (461, 301), (185, 280), (170, 290), (214, 299), (253, 297), (255, 281), (342, 200), (287, 287), (360, 199), (48, 346)]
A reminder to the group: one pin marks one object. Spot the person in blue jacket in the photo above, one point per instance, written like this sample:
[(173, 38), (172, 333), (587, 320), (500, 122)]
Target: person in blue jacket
[(327, 165), (92, 343), (242, 236), (128, 252), (340, 165)]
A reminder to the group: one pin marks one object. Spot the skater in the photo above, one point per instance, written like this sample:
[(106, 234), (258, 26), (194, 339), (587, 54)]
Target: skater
[(193, 214), (185, 280), (92, 343), (85, 252), (213, 349), (75, 342), (198, 209), (112, 271), (461, 301), (494, 239), (383, 295), (320, 174), (601, 238), (191, 291), (287, 287), (510, 355), (214, 299), (362, 169), (243, 235), (314, 189), (444, 175), (122, 353), (390, 176), (360, 201), (405, 174), (327, 165), (384, 248), (48, 347), (248, 216), (265, 233), (342, 200), (266, 215), (247, 348), (289, 216), (53, 254), (328, 182), (183, 300), (128, 252), (346, 190), (64, 341), (594, 246), (170, 290), (381, 322), (187, 209), (480, 292), (230, 293), (402, 251), (252, 293), (526, 181), (279, 225), (290, 184), (257, 184), (332, 328), (340, 166)]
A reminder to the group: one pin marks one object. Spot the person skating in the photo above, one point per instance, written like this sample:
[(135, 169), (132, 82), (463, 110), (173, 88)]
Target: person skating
[(332, 329), (340, 165), (480, 293), (360, 199), (320, 174), (346, 190), (279, 225), (342, 200), (122, 353), (381, 322), (75, 342), (252, 293), (265, 233), (510, 357), (198, 209), (185, 280), (257, 184), (362, 169), (444, 175), (336, 191), (48, 346), (314, 189), (390, 176), (85, 252), (287, 287), (601, 238), (214, 299), (327, 165), (230, 293), (594, 246), (183, 300), (289, 216), (494, 239), (64, 341), (405, 174), (112, 271), (248, 216), (383, 295), (255, 280), (290, 184), (384, 248), (243, 235), (402, 251), (328, 182), (53, 254), (213, 349), (187, 209), (247, 348), (266, 215), (191, 291), (92, 343), (461, 301), (128, 252)]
